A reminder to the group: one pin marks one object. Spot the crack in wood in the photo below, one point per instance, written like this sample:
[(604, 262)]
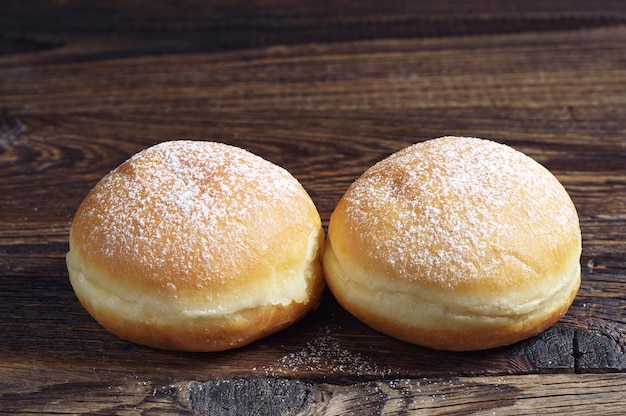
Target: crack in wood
[(597, 353), (576, 353), (563, 348)]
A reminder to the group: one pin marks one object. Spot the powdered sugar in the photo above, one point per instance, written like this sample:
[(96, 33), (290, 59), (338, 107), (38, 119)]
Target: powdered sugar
[(327, 354), (438, 206), (186, 204)]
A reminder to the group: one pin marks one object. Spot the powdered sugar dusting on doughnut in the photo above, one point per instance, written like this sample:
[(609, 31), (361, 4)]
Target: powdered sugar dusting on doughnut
[(445, 201), (187, 204)]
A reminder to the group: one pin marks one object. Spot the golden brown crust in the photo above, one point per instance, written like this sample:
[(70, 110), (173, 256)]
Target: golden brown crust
[(203, 333), (455, 243), (431, 322), (196, 246)]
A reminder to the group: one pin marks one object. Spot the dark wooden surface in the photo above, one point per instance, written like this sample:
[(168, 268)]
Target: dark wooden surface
[(324, 89)]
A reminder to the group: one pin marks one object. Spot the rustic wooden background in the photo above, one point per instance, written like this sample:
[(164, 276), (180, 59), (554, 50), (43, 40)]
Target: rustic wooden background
[(324, 89)]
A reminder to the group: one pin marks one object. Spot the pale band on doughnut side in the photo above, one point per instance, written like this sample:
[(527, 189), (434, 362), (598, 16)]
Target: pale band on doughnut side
[(196, 246), (455, 244)]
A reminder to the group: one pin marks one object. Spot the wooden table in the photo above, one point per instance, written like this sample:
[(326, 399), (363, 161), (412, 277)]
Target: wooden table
[(324, 90)]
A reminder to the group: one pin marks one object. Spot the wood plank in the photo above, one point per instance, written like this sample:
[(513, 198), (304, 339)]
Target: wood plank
[(524, 394), (113, 30), (327, 343), (529, 70)]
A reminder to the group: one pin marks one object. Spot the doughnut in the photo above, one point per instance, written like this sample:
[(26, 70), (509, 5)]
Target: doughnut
[(455, 244), (196, 246)]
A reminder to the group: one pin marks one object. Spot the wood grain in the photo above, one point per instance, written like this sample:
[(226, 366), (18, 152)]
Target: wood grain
[(527, 394), (324, 91)]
